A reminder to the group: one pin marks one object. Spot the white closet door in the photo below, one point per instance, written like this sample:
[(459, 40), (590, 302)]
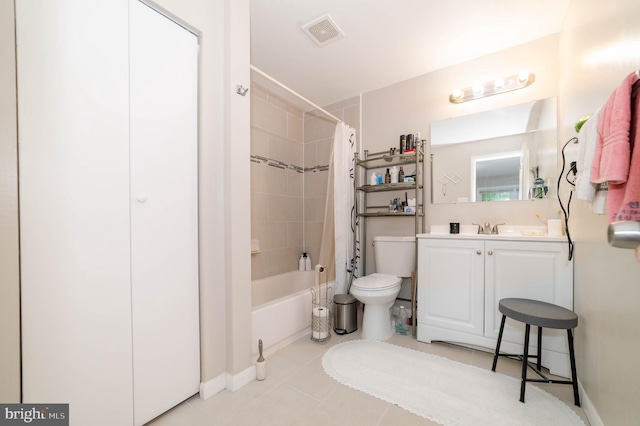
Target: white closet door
[(73, 95), (164, 245)]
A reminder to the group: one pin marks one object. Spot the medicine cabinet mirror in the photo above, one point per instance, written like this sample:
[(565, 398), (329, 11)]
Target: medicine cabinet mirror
[(494, 155)]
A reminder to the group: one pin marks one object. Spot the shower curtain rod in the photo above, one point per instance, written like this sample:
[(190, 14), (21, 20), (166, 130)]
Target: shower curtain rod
[(294, 93)]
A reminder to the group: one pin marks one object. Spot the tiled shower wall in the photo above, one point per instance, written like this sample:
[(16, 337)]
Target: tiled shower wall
[(276, 183), (289, 168)]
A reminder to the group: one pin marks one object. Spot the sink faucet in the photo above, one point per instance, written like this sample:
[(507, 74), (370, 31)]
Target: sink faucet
[(487, 229), (483, 229), (494, 230)]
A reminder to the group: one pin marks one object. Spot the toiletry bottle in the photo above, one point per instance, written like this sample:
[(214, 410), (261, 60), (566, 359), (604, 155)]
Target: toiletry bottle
[(409, 146), (387, 177), (401, 175), (403, 144), (401, 323), (307, 263), (394, 174), (374, 179), (302, 262)]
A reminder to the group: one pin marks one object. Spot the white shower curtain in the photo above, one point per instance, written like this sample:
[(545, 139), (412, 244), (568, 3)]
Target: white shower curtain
[(345, 220)]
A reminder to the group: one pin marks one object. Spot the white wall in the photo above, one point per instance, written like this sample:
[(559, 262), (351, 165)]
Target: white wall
[(599, 47), (237, 192)]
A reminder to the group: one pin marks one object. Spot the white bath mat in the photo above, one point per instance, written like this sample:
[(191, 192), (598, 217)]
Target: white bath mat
[(442, 390)]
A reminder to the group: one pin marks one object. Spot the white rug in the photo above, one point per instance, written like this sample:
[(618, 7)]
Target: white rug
[(442, 390)]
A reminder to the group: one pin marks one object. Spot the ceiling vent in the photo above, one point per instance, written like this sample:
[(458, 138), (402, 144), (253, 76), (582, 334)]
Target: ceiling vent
[(323, 31)]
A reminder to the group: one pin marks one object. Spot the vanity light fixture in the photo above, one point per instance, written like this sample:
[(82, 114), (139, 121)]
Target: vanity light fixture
[(494, 87)]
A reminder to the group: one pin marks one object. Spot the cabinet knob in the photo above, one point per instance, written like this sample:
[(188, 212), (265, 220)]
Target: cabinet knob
[(490, 252), (142, 197), (479, 252)]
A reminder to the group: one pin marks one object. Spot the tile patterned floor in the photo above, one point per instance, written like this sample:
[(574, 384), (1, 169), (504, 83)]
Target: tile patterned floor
[(297, 391)]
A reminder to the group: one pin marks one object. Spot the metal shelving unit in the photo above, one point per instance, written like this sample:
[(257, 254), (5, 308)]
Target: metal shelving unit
[(383, 160)]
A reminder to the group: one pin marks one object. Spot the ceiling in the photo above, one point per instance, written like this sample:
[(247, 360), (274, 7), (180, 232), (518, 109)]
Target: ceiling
[(387, 41)]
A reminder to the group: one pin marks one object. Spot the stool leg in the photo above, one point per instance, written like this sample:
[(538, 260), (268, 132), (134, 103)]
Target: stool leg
[(539, 348), (574, 376), (495, 357), (525, 357)]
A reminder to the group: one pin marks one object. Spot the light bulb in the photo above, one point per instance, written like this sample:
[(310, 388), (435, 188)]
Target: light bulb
[(498, 83), (457, 93), (523, 76), (478, 89)]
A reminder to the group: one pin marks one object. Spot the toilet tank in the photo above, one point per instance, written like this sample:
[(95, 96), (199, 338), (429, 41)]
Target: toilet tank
[(395, 255)]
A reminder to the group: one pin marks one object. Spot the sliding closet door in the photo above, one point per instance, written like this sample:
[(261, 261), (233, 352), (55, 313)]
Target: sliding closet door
[(164, 245)]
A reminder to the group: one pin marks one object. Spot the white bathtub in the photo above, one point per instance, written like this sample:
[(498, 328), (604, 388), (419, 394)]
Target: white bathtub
[(281, 311)]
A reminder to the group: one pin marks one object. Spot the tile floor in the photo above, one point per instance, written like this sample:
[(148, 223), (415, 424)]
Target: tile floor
[(297, 391)]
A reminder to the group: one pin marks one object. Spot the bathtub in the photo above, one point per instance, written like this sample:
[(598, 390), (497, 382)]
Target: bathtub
[(281, 311)]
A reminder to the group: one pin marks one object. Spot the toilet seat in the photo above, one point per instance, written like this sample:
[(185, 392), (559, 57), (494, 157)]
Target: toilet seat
[(375, 282)]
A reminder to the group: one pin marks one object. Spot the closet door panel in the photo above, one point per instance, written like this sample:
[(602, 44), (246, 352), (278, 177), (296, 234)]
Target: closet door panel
[(73, 101), (164, 246)]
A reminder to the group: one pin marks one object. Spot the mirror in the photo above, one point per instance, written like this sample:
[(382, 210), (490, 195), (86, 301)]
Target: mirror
[(495, 155)]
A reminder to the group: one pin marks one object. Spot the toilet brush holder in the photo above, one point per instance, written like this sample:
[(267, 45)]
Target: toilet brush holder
[(261, 366)]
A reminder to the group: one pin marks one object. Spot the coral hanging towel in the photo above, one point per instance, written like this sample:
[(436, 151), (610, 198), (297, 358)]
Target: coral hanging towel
[(630, 207), (612, 156)]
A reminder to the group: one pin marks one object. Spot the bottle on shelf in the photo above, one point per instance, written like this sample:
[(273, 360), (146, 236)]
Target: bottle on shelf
[(401, 175), (302, 262), (394, 174), (402, 327), (387, 177), (307, 262), (374, 179)]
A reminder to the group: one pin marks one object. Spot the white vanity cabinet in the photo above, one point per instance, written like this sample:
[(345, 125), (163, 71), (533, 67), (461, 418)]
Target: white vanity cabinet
[(462, 279)]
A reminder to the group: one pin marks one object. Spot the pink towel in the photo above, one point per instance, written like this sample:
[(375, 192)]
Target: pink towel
[(630, 206), (613, 148)]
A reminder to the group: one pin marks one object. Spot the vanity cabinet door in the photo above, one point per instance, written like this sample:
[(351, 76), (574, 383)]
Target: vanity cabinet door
[(451, 285), (532, 270)]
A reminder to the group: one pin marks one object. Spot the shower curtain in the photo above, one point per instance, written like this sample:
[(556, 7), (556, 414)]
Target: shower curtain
[(337, 250)]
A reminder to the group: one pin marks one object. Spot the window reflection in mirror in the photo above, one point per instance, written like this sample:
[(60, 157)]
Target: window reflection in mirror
[(496, 177), (522, 136)]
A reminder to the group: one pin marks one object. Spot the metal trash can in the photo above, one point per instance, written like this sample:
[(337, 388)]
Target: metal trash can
[(346, 314)]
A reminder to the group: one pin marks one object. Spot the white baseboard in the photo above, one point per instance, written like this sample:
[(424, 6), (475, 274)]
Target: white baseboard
[(213, 386), (227, 381), (589, 408), (239, 380)]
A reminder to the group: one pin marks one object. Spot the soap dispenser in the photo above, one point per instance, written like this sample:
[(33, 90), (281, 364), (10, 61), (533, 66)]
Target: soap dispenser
[(302, 264)]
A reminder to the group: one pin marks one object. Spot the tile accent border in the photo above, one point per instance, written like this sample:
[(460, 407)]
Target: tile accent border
[(284, 166)]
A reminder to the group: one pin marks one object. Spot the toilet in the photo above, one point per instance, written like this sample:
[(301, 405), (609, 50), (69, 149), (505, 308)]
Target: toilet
[(395, 258)]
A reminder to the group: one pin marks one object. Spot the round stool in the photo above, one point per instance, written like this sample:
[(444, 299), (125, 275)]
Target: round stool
[(540, 314)]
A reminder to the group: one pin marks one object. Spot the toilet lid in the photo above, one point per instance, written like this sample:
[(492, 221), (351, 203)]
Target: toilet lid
[(376, 282)]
